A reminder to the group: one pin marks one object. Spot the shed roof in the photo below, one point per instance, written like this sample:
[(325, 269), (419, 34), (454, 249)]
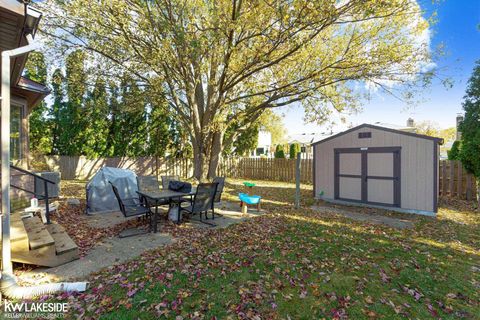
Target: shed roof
[(366, 125)]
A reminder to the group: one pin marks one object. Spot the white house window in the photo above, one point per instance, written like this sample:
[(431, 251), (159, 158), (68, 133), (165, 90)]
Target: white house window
[(16, 113)]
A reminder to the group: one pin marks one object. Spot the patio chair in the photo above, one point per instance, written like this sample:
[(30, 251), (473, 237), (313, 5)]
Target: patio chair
[(202, 201), (149, 183), (131, 207), (220, 181), (166, 180)]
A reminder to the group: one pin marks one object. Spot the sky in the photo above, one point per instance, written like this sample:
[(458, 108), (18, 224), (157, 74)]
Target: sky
[(458, 30)]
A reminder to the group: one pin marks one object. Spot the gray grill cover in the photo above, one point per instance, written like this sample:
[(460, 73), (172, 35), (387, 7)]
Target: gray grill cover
[(100, 196)]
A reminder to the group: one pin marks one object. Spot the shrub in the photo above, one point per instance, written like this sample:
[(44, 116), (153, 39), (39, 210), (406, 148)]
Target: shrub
[(294, 150), (279, 151), (454, 152)]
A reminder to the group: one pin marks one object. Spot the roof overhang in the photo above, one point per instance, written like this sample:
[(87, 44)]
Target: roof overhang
[(14, 26), (366, 125), (18, 7), (31, 91)]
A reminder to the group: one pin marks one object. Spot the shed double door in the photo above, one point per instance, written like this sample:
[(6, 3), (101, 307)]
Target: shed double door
[(368, 175)]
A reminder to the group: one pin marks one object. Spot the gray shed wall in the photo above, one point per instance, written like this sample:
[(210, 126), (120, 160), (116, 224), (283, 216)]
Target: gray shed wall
[(417, 165)]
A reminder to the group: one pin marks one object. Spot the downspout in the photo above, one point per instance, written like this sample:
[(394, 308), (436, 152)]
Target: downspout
[(8, 284), (5, 143)]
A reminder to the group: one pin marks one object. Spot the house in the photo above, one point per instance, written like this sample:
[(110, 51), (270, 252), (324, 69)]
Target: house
[(26, 238), (410, 127), (305, 141), (264, 145), (378, 166), (25, 94)]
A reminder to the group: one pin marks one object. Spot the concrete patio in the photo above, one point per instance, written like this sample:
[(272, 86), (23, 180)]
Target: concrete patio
[(117, 250)]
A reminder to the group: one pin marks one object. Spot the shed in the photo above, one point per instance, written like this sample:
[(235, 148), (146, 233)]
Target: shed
[(377, 166)]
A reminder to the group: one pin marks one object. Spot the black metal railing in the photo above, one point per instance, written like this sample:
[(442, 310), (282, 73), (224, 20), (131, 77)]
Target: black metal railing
[(36, 194)]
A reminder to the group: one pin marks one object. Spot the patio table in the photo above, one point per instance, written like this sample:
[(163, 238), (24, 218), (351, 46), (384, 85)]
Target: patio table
[(157, 196)]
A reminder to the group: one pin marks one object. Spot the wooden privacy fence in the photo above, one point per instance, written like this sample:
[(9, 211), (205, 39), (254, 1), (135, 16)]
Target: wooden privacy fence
[(455, 182), (79, 167), (75, 167), (266, 169)]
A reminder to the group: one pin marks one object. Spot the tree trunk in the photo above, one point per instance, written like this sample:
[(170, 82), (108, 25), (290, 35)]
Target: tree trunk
[(198, 160), (215, 154), (206, 155)]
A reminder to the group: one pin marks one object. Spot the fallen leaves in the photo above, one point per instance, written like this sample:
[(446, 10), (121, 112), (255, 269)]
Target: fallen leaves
[(369, 300), (287, 264), (384, 277), (73, 219), (415, 293)]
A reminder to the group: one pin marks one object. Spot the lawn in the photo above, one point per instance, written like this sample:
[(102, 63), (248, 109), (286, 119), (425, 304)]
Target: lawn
[(299, 264)]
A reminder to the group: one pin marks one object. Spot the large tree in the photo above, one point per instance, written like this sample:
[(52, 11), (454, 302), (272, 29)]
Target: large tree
[(432, 128), (40, 134), (93, 138), (57, 110), (71, 115), (225, 60), (470, 128)]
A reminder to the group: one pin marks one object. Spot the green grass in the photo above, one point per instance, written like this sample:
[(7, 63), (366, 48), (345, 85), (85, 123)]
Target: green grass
[(301, 265)]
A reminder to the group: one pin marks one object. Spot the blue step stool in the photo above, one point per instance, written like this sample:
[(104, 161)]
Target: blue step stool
[(246, 200)]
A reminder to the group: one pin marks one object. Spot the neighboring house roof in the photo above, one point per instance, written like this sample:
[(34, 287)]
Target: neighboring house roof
[(306, 138), (366, 125), (395, 126)]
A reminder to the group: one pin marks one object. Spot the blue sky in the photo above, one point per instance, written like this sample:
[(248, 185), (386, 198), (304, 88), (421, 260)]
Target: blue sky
[(457, 29)]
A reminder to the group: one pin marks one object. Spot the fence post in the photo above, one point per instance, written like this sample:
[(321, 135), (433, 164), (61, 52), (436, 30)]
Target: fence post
[(297, 180)]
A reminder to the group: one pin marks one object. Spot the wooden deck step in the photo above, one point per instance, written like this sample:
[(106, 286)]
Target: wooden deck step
[(63, 242), (18, 235), (17, 231), (38, 235)]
